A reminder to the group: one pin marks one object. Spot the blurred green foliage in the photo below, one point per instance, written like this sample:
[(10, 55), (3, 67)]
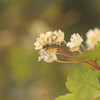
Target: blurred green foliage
[(22, 76)]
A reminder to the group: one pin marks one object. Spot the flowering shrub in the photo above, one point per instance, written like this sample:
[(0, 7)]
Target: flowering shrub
[(83, 84)]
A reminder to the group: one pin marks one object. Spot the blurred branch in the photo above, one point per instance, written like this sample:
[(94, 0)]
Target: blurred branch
[(68, 19)]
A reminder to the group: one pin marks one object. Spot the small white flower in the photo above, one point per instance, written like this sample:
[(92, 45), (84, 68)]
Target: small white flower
[(75, 43), (97, 32), (49, 33), (39, 43), (58, 36), (93, 36), (50, 58), (46, 56), (43, 37)]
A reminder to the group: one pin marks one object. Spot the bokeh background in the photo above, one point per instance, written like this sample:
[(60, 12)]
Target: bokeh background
[(22, 76)]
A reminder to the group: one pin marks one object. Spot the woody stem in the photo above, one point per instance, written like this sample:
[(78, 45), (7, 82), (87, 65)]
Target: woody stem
[(64, 53)]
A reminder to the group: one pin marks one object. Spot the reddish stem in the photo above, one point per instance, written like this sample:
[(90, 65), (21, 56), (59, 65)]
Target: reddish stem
[(88, 63), (95, 62), (64, 53), (74, 54), (95, 66)]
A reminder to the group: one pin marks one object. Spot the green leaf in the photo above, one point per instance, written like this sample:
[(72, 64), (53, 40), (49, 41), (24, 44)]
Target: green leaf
[(83, 84), (87, 55), (66, 97)]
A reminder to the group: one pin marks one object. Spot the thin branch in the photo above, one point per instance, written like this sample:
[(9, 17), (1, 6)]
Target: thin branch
[(96, 97), (95, 62), (83, 47), (67, 61), (74, 53), (65, 42), (64, 53), (89, 63), (80, 51)]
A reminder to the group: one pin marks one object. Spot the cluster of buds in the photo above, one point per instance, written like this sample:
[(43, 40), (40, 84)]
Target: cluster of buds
[(50, 43)]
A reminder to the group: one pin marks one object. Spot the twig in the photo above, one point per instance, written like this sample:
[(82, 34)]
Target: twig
[(64, 53), (96, 97), (67, 61)]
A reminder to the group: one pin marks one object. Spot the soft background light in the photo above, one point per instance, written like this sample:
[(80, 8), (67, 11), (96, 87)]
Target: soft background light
[(22, 77)]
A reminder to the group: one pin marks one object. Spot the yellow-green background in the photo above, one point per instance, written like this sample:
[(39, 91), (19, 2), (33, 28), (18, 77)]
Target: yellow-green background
[(22, 76)]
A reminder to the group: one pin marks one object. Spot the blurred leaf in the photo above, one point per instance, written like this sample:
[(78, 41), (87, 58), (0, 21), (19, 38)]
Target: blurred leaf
[(20, 63), (83, 83)]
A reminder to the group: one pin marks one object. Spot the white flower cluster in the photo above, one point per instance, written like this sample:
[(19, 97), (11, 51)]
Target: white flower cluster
[(93, 36), (45, 41), (75, 43), (50, 42)]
